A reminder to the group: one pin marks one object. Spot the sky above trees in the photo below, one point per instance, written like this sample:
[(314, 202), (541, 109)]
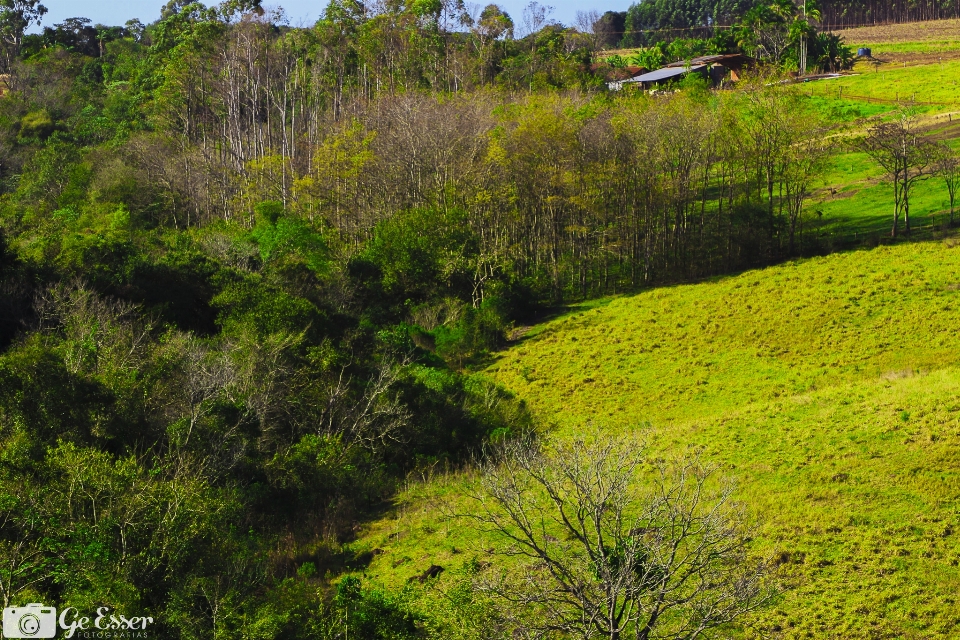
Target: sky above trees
[(115, 12)]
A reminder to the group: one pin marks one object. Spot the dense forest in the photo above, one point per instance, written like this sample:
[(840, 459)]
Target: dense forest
[(708, 18), (244, 269)]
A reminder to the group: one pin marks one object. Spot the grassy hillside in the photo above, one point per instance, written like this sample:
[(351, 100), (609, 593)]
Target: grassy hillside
[(828, 388), (931, 82), (854, 198)]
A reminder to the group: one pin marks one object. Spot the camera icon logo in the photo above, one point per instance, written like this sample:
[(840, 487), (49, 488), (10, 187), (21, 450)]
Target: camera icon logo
[(32, 621)]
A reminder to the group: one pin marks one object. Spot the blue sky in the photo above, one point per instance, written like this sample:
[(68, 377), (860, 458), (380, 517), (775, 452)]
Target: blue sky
[(115, 13)]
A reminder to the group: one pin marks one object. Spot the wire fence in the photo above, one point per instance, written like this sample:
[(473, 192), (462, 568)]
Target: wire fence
[(933, 226), (840, 94)]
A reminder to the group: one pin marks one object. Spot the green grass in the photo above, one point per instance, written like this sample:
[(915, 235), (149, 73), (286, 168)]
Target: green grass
[(828, 388), (923, 83), (840, 111), (879, 49), (856, 197)]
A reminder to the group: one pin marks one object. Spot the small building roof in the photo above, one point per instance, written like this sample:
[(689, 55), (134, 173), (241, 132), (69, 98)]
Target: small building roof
[(726, 59), (667, 73)]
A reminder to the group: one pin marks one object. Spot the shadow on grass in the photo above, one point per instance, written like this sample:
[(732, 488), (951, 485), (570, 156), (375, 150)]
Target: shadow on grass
[(932, 228)]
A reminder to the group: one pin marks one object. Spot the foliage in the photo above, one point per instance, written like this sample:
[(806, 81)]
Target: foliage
[(246, 271), (670, 15), (609, 28), (649, 57), (16, 16), (779, 32)]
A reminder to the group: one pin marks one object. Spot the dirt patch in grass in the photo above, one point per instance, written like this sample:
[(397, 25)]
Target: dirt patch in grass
[(906, 32), (913, 59), (830, 193), (942, 126), (517, 334)]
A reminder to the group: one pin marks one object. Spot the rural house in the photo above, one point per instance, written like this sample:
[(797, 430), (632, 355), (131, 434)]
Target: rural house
[(715, 67)]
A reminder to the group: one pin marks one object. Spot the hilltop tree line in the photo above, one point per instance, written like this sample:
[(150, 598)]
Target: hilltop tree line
[(852, 13), (652, 20), (244, 268), (780, 33)]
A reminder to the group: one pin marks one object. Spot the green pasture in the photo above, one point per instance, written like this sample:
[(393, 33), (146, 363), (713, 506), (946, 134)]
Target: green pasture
[(933, 82), (855, 199), (879, 49), (839, 111), (828, 389)]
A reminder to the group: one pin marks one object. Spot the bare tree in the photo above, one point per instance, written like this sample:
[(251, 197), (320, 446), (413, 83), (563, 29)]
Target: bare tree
[(205, 378), (375, 417), (586, 20), (905, 154), (535, 17), (101, 334), (947, 166), (25, 557), (606, 544), (773, 40), (585, 25)]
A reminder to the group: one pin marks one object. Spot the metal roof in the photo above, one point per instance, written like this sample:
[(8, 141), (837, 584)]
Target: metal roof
[(666, 73), (715, 59)]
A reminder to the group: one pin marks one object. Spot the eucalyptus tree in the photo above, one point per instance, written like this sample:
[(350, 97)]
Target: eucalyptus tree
[(492, 24), (16, 16)]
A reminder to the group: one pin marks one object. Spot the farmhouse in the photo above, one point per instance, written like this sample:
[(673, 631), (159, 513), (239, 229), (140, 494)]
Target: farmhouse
[(715, 67)]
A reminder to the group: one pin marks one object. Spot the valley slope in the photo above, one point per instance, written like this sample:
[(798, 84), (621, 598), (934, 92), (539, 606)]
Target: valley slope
[(827, 388)]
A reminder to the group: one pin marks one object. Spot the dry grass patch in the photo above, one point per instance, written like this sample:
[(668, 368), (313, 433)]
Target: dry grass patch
[(905, 32)]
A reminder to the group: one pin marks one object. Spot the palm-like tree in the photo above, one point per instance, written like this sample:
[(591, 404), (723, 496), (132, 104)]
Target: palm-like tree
[(799, 18)]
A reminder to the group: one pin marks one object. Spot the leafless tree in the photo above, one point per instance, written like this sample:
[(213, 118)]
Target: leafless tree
[(805, 161), (903, 152), (25, 560), (377, 416), (585, 25), (101, 334), (773, 41), (205, 377), (947, 166), (586, 20), (535, 16), (608, 544)]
